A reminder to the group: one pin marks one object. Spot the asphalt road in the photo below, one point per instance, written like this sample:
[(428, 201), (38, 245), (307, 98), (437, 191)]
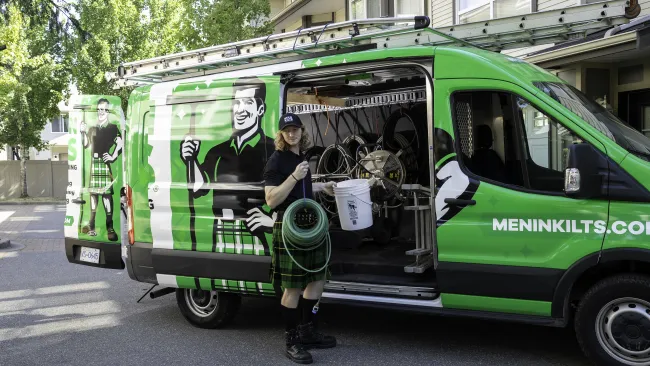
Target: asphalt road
[(56, 313)]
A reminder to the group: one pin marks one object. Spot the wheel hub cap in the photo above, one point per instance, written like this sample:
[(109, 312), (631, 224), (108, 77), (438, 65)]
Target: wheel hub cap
[(202, 303), (623, 329)]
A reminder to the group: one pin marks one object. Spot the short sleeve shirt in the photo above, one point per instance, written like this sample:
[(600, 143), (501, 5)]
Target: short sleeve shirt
[(103, 138), (278, 168)]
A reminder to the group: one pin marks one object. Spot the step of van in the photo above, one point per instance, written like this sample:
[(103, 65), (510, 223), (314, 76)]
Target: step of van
[(381, 290), (414, 281)]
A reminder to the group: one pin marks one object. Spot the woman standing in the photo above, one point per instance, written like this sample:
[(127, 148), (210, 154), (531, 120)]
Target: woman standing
[(287, 179)]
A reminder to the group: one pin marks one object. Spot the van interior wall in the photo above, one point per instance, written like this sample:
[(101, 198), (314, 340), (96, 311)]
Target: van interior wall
[(375, 255)]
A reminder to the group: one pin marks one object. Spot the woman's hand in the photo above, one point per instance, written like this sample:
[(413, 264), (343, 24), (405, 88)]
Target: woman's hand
[(301, 170)]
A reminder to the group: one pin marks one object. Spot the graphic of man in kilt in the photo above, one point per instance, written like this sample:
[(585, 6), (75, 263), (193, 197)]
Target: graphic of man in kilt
[(101, 138), (238, 226)]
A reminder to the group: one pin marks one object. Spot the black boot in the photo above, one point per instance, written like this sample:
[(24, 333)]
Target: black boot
[(311, 338), (308, 330), (295, 351)]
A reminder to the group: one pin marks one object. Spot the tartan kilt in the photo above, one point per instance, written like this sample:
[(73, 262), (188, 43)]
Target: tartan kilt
[(101, 177), (285, 272)]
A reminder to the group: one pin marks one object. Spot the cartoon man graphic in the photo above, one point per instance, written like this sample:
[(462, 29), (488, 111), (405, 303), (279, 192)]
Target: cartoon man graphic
[(101, 138), (240, 159)]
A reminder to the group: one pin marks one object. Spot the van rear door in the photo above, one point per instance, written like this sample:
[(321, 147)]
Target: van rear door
[(95, 151)]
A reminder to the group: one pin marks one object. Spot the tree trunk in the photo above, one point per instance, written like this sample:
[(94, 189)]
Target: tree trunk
[(23, 174)]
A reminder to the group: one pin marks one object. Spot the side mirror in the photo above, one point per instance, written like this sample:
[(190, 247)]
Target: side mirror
[(586, 172)]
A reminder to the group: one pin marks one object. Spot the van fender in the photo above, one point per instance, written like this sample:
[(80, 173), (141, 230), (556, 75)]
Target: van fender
[(560, 305)]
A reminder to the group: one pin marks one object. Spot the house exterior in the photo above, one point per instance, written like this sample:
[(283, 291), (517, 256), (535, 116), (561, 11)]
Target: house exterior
[(612, 68), (55, 133)]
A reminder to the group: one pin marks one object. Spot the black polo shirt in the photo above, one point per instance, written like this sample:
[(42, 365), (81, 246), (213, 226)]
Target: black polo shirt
[(279, 167), (226, 163), (103, 138)]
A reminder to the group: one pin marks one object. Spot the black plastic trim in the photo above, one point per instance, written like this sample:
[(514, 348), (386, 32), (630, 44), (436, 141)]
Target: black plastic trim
[(515, 318), (139, 263), (110, 253), (560, 304), (563, 288), (212, 265), (514, 282)]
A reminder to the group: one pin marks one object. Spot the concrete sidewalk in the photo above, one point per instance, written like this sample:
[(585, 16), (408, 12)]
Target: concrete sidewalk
[(36, 227)]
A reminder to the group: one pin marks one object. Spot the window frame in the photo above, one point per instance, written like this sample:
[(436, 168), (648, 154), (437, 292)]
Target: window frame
[(458, 12), (390, 11), (519, 140)]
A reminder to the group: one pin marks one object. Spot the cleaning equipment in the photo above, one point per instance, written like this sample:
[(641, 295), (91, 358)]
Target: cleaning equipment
[(354, 204), (306, 227)]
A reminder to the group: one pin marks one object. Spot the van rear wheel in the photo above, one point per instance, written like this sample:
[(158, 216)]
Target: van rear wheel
[(207, 309), (613, 321)]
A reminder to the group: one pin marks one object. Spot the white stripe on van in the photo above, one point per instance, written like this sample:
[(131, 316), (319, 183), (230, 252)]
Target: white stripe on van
[(73, 210), (159, 190), (166, 280)]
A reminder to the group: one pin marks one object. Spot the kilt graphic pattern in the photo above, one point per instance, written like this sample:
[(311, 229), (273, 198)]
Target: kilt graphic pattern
[(242, 287), (101, 177), (286, 273), (232, 236)]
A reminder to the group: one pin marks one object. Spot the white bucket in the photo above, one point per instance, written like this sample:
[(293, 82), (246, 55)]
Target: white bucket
[(353, 203)]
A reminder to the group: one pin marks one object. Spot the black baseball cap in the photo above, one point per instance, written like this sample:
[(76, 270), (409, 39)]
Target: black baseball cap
[(289, 119)]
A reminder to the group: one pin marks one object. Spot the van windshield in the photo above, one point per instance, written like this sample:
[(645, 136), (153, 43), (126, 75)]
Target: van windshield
[(600, 118)]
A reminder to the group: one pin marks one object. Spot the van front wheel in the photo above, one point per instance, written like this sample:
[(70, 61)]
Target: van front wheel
[(207, 309), (613, 321)]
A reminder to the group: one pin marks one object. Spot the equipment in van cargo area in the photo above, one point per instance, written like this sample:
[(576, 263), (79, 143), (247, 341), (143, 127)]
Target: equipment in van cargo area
[(491, 188)]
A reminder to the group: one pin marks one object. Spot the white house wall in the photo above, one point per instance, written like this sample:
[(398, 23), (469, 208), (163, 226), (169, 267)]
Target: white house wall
[(442, 13)]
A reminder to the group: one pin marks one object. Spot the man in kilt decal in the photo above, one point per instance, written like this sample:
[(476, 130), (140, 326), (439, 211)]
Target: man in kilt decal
[(238, 160), (287, 179), (101, 138)]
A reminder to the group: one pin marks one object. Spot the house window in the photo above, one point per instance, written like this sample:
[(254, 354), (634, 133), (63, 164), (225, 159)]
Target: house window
[(470, 11), (60, 124), (365, 9)]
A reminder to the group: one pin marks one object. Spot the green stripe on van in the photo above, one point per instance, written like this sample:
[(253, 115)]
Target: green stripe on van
[(503, 305)]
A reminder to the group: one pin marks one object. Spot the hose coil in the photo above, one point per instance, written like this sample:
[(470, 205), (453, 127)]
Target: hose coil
[(306, 238)]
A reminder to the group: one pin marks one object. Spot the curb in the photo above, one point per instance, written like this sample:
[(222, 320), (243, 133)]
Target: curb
[(16, 203)]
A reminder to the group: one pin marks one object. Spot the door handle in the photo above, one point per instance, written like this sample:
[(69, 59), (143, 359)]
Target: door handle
[(78, 201), (457, 202), (256, 200)]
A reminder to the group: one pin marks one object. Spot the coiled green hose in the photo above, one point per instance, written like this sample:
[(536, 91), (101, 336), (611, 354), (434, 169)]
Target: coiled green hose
[(306, 239)]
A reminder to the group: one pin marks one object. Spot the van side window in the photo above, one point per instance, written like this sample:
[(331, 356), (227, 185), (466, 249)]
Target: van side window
[(504, 139)]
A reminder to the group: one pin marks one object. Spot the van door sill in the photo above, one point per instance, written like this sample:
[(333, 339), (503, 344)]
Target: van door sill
[(371, 288)]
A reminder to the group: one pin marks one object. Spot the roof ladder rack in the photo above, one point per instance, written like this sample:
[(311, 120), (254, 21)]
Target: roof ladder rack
[(545, 27)]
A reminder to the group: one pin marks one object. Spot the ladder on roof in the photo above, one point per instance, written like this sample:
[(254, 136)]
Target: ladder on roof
[(533, 29)]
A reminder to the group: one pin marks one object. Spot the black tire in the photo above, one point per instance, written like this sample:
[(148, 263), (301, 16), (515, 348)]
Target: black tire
[(613, 319), (207, 309)]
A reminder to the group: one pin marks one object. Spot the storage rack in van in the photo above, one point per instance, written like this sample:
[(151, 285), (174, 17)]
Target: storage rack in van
[(497, 35)]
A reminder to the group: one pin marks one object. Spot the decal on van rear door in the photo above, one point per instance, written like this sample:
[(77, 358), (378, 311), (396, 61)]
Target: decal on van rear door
[(94, 169), (208, 195)]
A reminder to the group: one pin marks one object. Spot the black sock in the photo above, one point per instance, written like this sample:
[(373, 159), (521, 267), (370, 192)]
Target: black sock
[(308, 310), (291, 317)]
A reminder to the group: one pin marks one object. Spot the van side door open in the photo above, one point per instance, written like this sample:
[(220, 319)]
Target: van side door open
[(506, 228), (92, 227)]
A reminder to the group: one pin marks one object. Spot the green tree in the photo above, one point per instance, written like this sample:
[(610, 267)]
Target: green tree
[(31, 85), (121, 31), (212, 22)]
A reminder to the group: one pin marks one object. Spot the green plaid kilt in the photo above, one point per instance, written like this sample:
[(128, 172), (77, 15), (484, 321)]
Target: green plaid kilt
[(285, 272), (101, 177), (233, 237)]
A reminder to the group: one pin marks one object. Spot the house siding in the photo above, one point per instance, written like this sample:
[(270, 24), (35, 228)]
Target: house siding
[(543, 5), (442, 13)]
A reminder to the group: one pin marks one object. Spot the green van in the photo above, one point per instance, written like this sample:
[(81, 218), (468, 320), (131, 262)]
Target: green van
[(497, 190)]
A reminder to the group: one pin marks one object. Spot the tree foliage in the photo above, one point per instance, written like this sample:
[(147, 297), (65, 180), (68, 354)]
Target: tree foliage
[(31, 85), (211, 22)]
